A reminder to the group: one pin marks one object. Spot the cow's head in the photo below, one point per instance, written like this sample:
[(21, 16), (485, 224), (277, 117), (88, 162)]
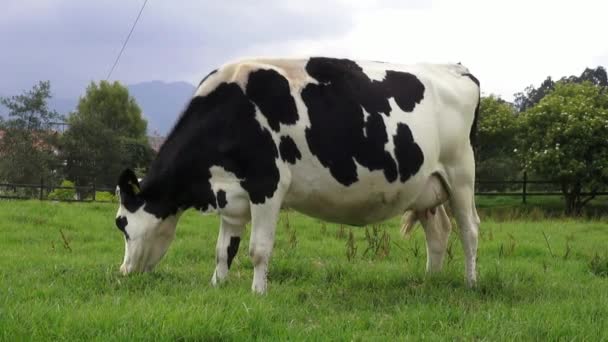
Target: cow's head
[(147, 236)]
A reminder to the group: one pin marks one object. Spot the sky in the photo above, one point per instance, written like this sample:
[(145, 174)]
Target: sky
[(508, 45)]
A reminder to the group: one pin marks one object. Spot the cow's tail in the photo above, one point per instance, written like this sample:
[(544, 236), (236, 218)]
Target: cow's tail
[(473, 132), (408, 223)]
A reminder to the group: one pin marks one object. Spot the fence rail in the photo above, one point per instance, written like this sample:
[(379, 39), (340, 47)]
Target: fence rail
[(524, 188), (42, 191)]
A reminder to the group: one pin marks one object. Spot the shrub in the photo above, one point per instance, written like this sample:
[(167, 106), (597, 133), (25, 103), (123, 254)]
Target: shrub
[(65, 193), (105, 196)]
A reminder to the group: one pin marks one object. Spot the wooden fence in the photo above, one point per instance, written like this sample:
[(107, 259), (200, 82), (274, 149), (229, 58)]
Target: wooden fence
[(520, 188), (41, 191)]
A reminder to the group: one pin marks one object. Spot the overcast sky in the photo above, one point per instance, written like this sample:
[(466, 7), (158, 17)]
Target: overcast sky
[(507, 44)]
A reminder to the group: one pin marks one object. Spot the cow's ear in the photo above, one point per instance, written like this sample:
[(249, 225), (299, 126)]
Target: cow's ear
[(128, 183)]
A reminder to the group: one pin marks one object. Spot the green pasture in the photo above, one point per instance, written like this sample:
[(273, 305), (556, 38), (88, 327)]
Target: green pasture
[(541, 277)]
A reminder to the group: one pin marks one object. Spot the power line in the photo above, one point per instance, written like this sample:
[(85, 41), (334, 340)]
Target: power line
[(126, 40)]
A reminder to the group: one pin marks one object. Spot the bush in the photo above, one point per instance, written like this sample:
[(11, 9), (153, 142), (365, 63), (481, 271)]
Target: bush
[(65, 193), (104, 196)]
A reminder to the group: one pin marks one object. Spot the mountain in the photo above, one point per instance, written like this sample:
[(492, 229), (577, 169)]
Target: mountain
[(62, 105), (161, 103)]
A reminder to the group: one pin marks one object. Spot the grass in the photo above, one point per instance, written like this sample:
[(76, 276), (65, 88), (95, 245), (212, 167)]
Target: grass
[(543, 279)]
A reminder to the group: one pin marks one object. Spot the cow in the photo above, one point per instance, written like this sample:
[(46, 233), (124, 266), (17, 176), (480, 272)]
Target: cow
[(349, 142)]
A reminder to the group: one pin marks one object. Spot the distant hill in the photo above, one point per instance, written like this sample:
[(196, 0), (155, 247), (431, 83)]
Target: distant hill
[(161, 103), (63, 106)]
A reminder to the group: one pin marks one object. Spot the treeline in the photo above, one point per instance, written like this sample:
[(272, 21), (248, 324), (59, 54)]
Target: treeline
[(105, 134), (557, 132)]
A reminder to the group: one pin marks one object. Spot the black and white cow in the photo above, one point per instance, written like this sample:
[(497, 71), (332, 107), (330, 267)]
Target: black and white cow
[(344, 141)]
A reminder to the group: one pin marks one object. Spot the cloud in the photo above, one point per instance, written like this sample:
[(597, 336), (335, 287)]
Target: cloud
[(73, 42), (508, 45)]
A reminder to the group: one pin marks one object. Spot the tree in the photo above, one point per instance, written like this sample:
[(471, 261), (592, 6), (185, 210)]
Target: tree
[(563, 138), (531, 96), (29, 111), (596, 76), (107, 133), (114, 108), (496, 131), (28, 145), (92, 153)]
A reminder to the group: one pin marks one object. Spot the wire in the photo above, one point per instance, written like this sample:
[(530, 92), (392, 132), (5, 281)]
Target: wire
[(124, 45)]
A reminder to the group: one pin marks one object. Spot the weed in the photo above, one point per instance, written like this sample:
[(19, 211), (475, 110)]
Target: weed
[(351, 246), (548, 244), (378, 242), (568, 247), (512, 244), (416, 249), (293, 239), (66, 242), (341, 234), (450, 251), (287, 224), (599, 265)]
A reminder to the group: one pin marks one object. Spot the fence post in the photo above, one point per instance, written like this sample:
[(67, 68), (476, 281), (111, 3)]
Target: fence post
[(525, 188), (94, 190), (41, 188)]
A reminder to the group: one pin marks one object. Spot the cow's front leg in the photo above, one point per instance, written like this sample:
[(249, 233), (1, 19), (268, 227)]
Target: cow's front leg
[(231, 231)]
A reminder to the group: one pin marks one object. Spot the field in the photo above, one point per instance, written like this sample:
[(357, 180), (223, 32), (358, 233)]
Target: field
[(539, 279)]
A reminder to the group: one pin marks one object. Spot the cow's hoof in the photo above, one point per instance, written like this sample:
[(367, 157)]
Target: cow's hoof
[(258, 289), (471, 283), (216, 280)]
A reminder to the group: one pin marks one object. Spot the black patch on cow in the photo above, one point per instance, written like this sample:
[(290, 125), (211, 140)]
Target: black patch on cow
[(405, 88), (129, 188), (408, 153), (218, 129), (339, 134), (473, 133), (288, 150), (233, 247), (270, 92), (206, 77), (221, 199), (121, 224)]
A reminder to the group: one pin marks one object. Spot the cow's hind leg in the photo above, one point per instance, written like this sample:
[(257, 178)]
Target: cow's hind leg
[(463, 208), (234, 217)]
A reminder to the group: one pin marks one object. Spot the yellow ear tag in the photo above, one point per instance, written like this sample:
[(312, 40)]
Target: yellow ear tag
[(135, 188)]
